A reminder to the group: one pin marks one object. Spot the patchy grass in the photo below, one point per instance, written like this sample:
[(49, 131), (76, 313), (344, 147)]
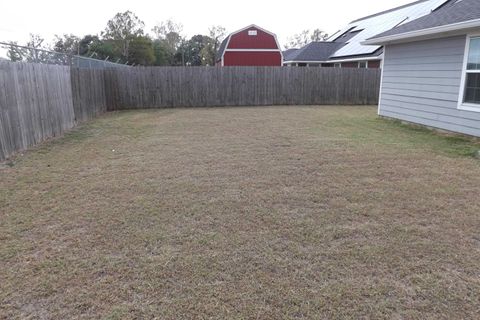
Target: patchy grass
[(242, 213), (372, 130)]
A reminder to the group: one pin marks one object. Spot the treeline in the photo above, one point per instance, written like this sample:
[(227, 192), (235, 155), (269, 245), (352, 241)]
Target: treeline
[(125, 41)]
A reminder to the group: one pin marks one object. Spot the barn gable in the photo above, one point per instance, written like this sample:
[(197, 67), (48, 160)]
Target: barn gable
[(251, 45)]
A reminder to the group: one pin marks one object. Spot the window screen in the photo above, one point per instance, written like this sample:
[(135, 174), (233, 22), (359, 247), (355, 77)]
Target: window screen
[(472, 80)]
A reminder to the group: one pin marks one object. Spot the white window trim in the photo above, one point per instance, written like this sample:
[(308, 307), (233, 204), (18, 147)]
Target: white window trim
[(382, 64), (461, 104), (366, 64)]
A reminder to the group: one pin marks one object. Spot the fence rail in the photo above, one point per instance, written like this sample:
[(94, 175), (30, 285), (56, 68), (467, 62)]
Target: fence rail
[(40, 101)]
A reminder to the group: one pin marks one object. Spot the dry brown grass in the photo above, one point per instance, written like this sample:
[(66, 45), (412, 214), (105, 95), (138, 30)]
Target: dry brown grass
[(242, 213)]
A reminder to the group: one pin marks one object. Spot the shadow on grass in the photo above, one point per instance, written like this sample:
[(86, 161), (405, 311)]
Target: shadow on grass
[(366, 128), (450, 143)]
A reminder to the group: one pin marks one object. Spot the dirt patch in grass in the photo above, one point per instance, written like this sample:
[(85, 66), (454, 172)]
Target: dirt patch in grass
[(242, 213)]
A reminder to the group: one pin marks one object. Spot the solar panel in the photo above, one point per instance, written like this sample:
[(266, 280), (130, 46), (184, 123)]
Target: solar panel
[(372, 26)]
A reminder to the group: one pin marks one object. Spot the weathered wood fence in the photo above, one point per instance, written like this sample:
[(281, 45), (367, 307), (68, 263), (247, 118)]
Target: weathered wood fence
[(88, 93), (38, 102), (150, 87)]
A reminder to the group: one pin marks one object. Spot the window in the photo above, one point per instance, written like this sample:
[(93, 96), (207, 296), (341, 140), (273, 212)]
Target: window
[(470, 95), (337, 65), (252, 32), (363, 64)]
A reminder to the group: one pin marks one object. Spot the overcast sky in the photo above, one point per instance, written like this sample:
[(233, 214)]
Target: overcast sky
[(50, 17)]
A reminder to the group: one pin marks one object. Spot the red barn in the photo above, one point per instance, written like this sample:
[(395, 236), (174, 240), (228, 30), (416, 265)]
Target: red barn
[(250, 46)]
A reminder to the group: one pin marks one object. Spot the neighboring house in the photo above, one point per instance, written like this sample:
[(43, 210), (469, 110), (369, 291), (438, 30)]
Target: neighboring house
[(351, 53), (431, 73), (313, 54), (250, 46)]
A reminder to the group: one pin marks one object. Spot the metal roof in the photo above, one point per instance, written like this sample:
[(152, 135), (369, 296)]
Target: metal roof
[(454, 11), (372, 25)]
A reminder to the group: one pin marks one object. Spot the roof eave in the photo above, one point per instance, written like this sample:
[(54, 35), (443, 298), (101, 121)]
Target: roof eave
[(346, 59), (424, 33)]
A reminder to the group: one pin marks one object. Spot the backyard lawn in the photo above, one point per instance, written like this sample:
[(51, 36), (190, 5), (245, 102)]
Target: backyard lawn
[(242, 213)]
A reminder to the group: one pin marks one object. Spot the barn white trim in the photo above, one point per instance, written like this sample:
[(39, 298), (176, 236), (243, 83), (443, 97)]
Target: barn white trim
[(252, 50)]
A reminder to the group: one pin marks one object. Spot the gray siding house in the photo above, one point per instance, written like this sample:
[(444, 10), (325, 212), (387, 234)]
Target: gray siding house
[(431, 71)]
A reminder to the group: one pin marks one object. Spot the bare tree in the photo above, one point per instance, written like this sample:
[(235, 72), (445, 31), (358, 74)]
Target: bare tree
[(209, 52), (168, 35), (305, 37)]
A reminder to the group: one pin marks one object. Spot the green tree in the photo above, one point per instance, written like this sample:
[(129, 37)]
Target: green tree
[(15, 53), (68, 44), (93, 46), (141, 51), (168, 37), (106, 49), (121, 30), (161, 52), (209, 52), (191, 50), (33, 51), (86, 43)]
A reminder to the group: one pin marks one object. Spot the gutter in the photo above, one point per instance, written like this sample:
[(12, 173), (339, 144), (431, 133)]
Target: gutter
[(379, 57), (423, 33)]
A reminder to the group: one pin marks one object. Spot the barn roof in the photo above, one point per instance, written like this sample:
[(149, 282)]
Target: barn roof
[(452, 12), (222, 48), (314, 51)]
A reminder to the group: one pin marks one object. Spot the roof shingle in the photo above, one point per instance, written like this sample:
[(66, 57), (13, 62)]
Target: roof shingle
[(452, 12), (314, 51), (222, 48)]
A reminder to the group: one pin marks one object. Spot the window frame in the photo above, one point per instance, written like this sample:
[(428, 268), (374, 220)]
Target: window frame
[(366, 64), (462, 105)]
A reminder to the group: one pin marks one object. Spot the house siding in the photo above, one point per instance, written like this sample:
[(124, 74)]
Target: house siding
[(421, 84), (249, 58)]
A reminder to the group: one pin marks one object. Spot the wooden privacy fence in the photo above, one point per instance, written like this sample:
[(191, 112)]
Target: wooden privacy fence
[(88, 93), (38, 102), (153, 87)]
